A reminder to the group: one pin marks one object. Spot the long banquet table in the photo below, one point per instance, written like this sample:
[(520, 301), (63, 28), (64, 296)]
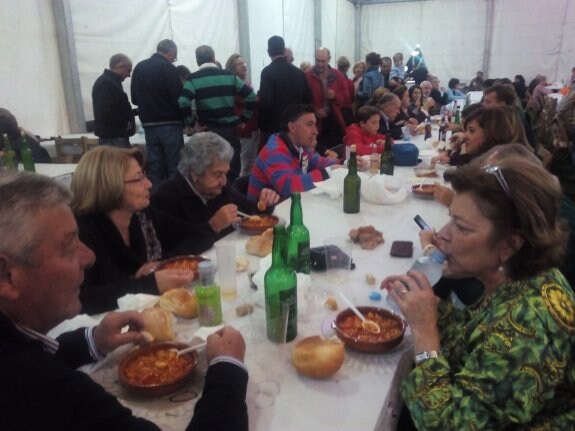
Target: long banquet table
[(363, 394)]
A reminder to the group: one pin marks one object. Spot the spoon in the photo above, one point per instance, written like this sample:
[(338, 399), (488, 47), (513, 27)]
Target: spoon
[(368, 325), (191, 348), (242, 214)]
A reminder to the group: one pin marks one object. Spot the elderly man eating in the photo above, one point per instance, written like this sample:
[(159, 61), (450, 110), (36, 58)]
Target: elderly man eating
[(42, 263)]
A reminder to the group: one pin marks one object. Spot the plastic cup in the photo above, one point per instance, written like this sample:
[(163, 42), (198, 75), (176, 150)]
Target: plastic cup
[(226, 259), (338, 259)]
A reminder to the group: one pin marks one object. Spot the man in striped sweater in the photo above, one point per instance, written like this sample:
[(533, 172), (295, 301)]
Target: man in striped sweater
[(288, 162), (214, 90)]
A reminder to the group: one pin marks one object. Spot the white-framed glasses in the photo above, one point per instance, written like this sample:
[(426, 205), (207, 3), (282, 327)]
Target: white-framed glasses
[(496, 170)]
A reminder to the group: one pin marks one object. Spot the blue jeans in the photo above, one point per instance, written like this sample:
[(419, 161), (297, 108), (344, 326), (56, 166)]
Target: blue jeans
[(163, 145)]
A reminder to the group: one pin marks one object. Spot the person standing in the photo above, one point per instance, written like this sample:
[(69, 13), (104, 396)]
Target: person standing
[(113, 116), (215, 91), (156, 86), (281, 85), (330, 93)]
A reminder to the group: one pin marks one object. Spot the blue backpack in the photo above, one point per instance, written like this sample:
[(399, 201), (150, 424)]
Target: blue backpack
[(405, 154)]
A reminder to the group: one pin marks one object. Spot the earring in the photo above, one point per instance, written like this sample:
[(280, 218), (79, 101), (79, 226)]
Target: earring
[(501, 269)]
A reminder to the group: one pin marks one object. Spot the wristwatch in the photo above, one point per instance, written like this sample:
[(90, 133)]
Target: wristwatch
[(424, 356)]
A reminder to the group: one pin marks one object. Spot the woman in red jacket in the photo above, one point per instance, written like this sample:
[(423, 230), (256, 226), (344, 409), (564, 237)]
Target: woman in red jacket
[(364, 133)]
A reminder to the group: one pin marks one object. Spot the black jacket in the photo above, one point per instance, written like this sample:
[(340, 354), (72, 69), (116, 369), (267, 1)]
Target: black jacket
[(112, 276), (42, 391), (281, 84), (113, 116), (175, 197), (156, 87)]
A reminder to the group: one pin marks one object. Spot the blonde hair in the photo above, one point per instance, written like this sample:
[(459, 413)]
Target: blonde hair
[(98, 182)]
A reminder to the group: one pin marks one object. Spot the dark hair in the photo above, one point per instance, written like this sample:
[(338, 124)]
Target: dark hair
[(366, 112), (205, 54), (453, 82), (292, 113), (183, 72), (505, 81), (342, 63), (373, 58), (501, 125), (412, 89), (504, 93), (532, 211), (400, 91), (276, 46), (488, 82), (466, 112)]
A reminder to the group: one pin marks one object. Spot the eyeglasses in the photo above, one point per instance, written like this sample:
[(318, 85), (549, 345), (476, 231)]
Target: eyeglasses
[(141, 178), (496, 170)]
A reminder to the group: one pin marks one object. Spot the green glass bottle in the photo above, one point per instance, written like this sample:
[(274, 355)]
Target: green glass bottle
[(387, 163), (351, 185), (280, 285), (26, 155), (467, 101), (297, 238), (9, 155), (457, 117)]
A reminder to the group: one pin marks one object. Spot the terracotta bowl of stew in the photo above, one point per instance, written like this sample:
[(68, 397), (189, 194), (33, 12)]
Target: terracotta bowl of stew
[(154, 370), (348, 328), (189, 262)]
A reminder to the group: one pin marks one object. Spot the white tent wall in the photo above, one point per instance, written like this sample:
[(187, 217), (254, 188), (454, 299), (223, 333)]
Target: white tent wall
[(451, 34), (338, 29), (30, 74), (526, 37), (102, 29), (533, 36)]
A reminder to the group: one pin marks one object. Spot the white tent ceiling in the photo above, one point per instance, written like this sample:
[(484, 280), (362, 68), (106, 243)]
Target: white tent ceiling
[(457, 37)]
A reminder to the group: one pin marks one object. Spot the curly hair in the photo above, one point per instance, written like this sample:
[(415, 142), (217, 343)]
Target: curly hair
[(531, 210)]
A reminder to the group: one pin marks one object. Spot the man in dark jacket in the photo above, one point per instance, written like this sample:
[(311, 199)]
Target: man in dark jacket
[(156, 86), (113, 117), (42, 263), (281, 85)]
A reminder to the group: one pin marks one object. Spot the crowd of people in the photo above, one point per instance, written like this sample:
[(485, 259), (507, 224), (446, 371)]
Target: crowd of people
[(507, 243)]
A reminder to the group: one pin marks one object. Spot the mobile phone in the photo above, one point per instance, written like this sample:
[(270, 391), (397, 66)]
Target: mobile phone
[(421, 223), (401, 249), (317, 257)]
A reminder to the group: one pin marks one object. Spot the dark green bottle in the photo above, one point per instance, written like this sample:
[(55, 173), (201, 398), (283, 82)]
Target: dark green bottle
[(280, 285), (351, 185), (9, 156), (387, 163), (457, 117), (297, 238), (26, 155)]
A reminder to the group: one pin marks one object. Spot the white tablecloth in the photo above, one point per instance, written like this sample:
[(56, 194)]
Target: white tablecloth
[(363, 394)]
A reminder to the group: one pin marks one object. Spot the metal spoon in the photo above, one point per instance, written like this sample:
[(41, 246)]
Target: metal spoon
[(367, 324)]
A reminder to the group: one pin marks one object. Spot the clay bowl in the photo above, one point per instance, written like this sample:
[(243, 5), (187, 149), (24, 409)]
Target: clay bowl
[(392, 330)]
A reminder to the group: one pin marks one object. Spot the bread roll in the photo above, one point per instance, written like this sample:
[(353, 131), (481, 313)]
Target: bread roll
[(158, 323), (261, 245), (180, 302), (318, 358)]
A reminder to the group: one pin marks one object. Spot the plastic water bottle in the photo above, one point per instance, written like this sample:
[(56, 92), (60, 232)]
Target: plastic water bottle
[(431, 266)]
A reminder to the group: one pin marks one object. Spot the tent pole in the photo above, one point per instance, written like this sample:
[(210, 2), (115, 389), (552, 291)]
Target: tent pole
[(244, 33), (317, 24), (488, 38), (357, 25), (69, 65)]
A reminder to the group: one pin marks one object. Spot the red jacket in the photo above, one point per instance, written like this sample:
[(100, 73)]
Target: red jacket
[(355, 135), (337, 83)]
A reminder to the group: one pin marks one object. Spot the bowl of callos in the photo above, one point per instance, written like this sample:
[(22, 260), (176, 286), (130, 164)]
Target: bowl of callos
[(349, 329), (156, 369)]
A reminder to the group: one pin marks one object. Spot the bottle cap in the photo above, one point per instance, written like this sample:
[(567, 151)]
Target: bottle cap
[(437, 256), (374, 295)]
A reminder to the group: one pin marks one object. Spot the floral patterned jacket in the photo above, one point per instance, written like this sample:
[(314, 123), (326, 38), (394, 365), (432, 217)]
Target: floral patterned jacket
[(507, 363)]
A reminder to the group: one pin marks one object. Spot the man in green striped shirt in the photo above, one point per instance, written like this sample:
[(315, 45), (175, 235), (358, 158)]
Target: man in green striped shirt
[(214, 91)]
